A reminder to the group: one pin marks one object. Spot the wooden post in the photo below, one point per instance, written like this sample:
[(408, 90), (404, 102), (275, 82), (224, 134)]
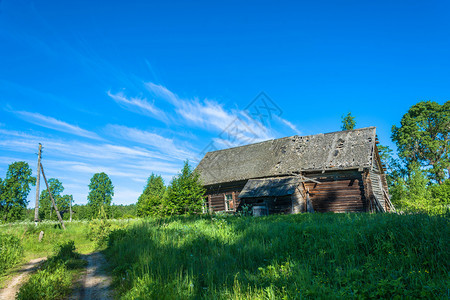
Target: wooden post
[(53, 200), (309, 206), (70, 208), (36, 208), (210, 205)]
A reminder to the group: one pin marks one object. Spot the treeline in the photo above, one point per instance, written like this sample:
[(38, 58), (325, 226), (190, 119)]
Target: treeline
[(184, 195), (16, 186), (418, 177), (84, 212)]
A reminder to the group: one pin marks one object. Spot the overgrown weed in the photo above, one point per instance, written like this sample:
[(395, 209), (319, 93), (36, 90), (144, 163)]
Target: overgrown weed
[(276, 257)]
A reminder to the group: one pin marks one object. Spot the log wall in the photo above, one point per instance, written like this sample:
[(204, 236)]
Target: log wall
[(216, 195), (341, 191), (337, 192)]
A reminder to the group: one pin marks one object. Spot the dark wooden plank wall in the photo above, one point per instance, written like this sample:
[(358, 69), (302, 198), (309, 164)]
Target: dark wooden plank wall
[(337, 192), (276, 205), (341, 191), (216, 194)]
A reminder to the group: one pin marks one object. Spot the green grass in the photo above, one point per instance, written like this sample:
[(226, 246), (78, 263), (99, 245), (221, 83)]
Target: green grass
[(77, 231), (11, 251), (283, 257), (54, 279), (27, 234)]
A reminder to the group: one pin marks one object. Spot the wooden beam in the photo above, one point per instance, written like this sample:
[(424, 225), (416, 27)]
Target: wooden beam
[(36, 208), (53, 200), (310, 179)]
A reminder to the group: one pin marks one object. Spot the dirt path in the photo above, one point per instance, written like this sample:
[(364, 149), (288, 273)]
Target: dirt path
[(95, 283), (13, 286)]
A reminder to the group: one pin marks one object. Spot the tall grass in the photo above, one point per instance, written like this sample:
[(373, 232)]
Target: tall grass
[(77, 231), (11, 252), (276, 257), (54, 280)]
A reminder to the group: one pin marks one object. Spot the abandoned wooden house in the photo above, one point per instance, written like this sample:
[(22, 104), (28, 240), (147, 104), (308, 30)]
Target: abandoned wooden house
[(333, 172)]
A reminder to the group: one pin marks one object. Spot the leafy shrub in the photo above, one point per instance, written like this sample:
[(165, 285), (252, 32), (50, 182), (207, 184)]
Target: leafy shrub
[(100, 229), (11, 251)]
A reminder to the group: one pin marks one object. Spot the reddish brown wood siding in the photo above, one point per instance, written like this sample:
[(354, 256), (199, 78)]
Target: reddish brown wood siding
[(217, 194), (337, 192)]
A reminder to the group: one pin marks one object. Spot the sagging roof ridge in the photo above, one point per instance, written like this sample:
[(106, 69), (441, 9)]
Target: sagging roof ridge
[(317, 152), (291, 136)]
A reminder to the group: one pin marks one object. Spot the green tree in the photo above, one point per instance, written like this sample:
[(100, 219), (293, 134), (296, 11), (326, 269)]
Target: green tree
[(348, 122), (441, 195), (124, 211), (424, 137), (14, 190), (101, 191), (151, 200), (185, 193), (81, 212), (46, 211), (64, 206)]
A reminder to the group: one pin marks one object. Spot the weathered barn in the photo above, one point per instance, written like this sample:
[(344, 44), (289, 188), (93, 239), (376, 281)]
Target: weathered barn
[(339, 171)]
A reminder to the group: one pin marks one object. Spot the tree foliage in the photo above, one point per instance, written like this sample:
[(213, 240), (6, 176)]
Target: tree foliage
[(83, 212), (424, 137), (348, 122), (150, 202), (46, 210), (14, 190), (45, 203), (185, 193), (101, 191)]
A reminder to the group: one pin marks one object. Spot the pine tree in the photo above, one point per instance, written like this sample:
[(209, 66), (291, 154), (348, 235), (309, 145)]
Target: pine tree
[(151, 200), (185, 195), (348, 122)]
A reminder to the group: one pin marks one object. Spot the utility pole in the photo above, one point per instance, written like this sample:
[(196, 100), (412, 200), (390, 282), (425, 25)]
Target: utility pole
[(36, 209), (53, 200), (71, 199)]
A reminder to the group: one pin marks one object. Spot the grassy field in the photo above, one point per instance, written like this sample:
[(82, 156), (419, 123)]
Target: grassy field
[(55, 278), (226, 257), (77, 231), (22, 244), (283, 257)]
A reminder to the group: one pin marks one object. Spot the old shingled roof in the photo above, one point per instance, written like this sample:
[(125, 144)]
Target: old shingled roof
[(341, 150), (273, 187)]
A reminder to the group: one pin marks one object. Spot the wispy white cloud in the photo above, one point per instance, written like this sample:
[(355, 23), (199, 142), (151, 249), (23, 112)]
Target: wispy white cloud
[(27, 143), (162, 92), (75, 162), (141, 106), (55, 124), (155, 141), (234, 127), (289, 124)]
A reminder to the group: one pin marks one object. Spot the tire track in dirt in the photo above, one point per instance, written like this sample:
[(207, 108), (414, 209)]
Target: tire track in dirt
[(13, 285), (95, 282)]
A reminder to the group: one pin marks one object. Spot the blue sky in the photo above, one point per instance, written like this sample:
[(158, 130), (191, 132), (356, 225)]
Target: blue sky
[(135, 87)]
